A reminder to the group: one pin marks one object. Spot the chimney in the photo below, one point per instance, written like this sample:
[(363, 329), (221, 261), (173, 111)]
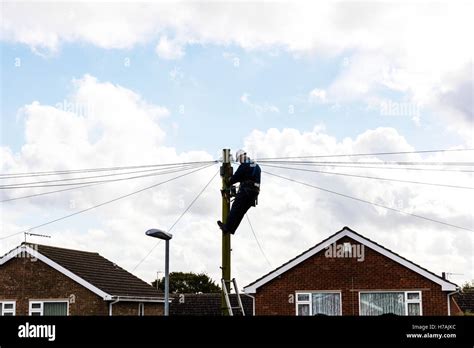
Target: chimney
[(443, 275)]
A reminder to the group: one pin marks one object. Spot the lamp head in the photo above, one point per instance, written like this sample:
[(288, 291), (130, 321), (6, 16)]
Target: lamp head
[(156, 233)]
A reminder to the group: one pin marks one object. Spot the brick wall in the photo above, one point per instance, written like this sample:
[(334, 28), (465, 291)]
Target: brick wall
[(349, 276), (131, 308), (154, 309), (22, 279)]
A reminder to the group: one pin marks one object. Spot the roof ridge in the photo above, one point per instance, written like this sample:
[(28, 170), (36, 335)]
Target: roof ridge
[(297, 256), (114, 264), (60, 248), (92, 270), (346, 228), (8, 252), (404, 258)]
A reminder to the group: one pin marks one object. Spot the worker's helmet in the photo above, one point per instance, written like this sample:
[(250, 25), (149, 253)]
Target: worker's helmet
[(240, 156)]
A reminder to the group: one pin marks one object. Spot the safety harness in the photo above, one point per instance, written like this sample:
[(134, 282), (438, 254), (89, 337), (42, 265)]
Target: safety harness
[(252, 185)]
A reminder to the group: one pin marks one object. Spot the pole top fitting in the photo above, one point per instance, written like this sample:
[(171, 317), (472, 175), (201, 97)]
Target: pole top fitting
[(226, 156)]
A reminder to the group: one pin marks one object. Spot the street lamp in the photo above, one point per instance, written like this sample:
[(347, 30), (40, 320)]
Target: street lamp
[(166, 237)]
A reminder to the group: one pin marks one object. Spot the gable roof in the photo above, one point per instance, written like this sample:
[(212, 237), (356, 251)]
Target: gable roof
[(208, 304), (89, 269), (346, 231)]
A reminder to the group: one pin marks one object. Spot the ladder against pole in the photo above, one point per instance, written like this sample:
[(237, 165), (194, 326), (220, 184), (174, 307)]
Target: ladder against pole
[(227, 296)]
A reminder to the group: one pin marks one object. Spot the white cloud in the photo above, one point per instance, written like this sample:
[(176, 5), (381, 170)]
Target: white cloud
[(402, 48), (288, 214), (455, 99), (176, 75), (299, 27), (318, 95), (419, 49), (121, 128), (259, 108), (444, 90), (168, 49), (245, 98), (311, 215)]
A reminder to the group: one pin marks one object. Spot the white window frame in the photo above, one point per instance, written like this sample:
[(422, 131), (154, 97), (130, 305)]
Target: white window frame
[(418, 301), (9, 311), (42, 302), (141, 309), (310, 302), (405, 298), (32, 310)]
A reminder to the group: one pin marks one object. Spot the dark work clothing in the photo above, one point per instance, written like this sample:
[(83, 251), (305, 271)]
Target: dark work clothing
[(248, 174), (247, 171), (242, 203)]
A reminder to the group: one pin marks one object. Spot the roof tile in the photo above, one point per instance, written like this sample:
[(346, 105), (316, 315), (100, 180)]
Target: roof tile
[(98, 271)]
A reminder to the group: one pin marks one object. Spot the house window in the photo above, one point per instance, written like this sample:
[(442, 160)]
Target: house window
[(36, 308), (314, 303), (413, 302), (394, 302), (303, 304), (48, 308), (7, 308), (141, 309)]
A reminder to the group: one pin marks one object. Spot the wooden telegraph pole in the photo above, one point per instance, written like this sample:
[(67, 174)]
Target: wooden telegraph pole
[(226, 173)]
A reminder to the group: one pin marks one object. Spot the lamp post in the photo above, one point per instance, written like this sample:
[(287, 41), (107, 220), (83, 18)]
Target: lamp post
[(166, 237)]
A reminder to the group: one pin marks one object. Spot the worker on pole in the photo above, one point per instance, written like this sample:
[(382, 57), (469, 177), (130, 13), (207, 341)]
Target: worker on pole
[(248, 175)]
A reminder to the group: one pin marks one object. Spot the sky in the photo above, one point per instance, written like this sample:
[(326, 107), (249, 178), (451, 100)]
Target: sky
[(106, 84)]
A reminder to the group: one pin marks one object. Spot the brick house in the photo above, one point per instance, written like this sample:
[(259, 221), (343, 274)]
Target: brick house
[(348, 274), (45, 280)]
